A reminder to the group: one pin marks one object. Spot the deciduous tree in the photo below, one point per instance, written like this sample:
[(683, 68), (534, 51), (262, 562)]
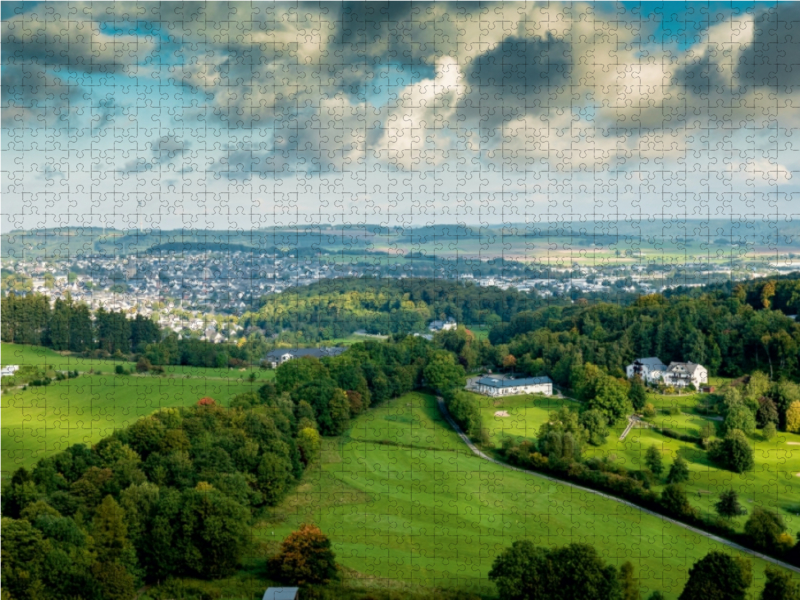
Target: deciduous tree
[(305, 558)]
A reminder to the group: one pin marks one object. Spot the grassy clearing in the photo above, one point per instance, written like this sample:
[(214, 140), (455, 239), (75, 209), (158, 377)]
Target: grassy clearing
[(17, 354), (404, 501), (526, 414)]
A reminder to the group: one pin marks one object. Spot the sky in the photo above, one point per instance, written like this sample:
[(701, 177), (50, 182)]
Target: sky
[(238, 115)]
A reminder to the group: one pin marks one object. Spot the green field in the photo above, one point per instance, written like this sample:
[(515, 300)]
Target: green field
[(17, 354), (773, 483), (404, 500), (41, 421)]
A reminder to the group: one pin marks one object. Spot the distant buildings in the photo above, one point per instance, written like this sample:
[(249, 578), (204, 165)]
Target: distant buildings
[(496, 386), (437, 326), (677, 374), (280, 356)]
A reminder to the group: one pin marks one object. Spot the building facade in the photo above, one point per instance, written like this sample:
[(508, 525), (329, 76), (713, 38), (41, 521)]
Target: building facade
[(501, 386), (677, 374), (280, 356)]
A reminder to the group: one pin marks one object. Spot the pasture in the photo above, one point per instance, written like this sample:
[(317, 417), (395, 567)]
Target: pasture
[(404, 500), (773, 483), (41, 421)]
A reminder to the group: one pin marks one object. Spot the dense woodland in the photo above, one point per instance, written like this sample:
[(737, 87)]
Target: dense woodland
[(335, 308), (730, 334), (175, 493)]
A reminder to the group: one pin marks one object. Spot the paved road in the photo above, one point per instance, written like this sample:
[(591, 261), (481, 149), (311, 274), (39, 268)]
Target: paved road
[(710, 536)]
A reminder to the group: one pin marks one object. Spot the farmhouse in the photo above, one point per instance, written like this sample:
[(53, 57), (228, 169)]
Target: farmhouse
[(437, 326), (280, 356), (644, 366), (677, 374), (496, 386)]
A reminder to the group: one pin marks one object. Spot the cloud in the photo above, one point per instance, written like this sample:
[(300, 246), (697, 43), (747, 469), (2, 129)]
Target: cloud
[(44, 57)]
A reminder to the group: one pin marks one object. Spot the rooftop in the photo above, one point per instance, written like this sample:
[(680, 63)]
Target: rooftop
[(503, 382)]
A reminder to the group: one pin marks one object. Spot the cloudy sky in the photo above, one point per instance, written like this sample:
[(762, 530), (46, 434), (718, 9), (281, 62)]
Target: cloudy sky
[(240, 115)]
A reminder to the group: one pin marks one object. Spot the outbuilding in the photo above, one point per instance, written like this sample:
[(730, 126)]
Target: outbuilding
[(282, 593)]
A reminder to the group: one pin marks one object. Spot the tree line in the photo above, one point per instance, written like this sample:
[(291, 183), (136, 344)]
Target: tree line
[(578, 572), (69, 326), (724, 333)]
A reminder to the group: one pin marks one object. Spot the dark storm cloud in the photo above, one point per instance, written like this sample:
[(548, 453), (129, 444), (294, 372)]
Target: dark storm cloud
[(522, 66), (773, 58)]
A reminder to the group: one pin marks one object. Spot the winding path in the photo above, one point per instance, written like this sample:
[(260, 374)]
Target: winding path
[(711, 536)]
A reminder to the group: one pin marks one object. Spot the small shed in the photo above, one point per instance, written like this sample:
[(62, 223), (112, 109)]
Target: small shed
[(281, 593)]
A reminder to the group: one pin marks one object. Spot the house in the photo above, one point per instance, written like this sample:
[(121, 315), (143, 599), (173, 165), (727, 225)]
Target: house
[(677, 374), (643, 367), (681, 374), (8, 370), (280, 356), (281, 593), (437, 326), (496, 386)]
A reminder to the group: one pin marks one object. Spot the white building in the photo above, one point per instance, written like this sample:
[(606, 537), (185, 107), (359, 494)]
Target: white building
[(437, 326), (278, 357), (8, 370), (677, 374), (643, 367), (496, 386)]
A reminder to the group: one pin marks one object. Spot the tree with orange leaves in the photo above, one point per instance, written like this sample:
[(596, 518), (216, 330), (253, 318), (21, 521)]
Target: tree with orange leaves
[(305, 557)]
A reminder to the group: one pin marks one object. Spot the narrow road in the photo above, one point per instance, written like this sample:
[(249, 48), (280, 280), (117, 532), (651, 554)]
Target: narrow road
[(711, 536)]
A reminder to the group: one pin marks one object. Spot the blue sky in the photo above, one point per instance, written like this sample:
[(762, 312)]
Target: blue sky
[(246, 114)]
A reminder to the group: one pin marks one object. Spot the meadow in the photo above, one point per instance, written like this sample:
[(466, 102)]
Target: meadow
[(774, 482), (40, 421), (404, 500)]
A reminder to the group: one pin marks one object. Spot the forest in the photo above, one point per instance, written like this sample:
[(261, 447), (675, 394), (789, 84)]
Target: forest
[(730, 333)]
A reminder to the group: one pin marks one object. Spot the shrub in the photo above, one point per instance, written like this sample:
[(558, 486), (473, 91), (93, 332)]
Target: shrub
[(649, 410), (764, 528), (769, 431), (793, 417), (675, 501), (734, 452)]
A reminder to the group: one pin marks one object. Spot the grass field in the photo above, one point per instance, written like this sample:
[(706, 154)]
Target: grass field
[(404, 500), (774, 483), (17, 354), (41, 421)]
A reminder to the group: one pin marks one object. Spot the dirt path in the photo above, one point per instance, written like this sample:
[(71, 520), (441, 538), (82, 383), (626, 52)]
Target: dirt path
[(730, 544)]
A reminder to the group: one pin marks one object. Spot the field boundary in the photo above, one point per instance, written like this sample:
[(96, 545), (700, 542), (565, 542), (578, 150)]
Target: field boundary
[(711, 536)]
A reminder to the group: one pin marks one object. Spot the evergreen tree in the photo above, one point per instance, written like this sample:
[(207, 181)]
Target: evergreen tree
[(652, 459), (678, 472), (728, 505), (637, 394)]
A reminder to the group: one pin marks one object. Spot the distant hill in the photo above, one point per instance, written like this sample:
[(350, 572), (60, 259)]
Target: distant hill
[(667, 236)]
